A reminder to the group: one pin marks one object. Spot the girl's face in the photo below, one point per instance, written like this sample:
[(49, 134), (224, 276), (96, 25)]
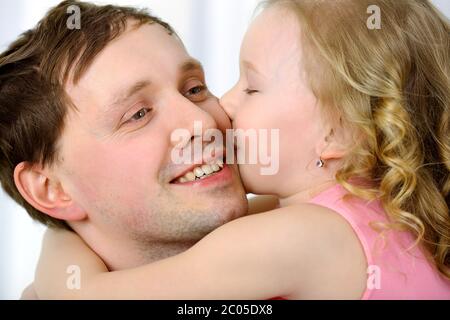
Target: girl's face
[(272, 93)]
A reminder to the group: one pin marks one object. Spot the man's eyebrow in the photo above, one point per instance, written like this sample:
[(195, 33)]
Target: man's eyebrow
[(190, 65), (127, 93)]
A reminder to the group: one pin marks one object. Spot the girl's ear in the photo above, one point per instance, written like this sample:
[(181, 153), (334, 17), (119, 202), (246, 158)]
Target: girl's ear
[(45, 193), (335, 145)]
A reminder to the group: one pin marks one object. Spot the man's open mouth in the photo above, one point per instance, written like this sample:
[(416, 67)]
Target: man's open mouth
[(201, 171)]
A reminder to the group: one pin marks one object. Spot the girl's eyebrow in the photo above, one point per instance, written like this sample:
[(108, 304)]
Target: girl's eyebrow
[(251, 66)]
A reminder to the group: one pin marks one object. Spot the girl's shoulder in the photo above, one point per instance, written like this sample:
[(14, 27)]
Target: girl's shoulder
[(301, 217), (322, 244)]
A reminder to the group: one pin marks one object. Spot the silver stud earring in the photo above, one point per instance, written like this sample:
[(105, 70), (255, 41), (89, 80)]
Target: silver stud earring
[(320, 163)]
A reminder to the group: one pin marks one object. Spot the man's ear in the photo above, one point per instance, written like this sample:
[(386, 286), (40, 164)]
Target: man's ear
[(45, 193)]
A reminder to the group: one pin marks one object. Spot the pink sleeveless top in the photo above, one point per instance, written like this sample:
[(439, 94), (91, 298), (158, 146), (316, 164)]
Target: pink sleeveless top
[(394, 272)]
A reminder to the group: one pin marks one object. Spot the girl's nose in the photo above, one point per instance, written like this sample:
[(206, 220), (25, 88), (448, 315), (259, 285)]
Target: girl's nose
[(228, 103)]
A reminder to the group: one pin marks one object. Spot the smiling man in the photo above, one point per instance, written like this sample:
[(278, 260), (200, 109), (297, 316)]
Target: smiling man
[(86, 118)]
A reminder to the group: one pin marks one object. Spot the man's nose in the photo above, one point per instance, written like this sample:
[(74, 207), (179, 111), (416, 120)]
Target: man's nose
[(189, 116)]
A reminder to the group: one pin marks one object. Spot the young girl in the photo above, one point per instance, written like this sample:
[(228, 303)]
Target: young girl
[(364, 167)]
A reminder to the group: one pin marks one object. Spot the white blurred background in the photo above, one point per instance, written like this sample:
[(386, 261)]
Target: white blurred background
[(211, 30)]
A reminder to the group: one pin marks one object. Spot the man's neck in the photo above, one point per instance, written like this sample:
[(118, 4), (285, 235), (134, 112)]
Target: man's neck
[(120, 254), (153, 251)]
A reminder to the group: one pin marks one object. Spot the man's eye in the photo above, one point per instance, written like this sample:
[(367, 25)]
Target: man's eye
[(250, 91), (140, 114), (196, 90)]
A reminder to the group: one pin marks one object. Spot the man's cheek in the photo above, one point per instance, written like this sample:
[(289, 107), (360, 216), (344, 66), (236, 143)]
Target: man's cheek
[(93, 172)]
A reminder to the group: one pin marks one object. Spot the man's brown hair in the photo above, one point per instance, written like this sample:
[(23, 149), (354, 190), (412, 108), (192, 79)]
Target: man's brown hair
[(33, 72)]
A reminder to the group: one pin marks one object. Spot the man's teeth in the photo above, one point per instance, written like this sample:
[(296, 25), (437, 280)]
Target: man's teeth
[(201, 172)]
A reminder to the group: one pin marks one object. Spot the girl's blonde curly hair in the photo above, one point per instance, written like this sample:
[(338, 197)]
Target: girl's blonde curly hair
[(390, 86)]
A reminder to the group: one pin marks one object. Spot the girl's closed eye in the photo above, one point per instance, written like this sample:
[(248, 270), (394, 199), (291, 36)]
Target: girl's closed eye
[(250, 91)]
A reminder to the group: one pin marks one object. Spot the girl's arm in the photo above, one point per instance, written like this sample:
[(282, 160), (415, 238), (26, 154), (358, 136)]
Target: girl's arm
[(65, 256), (29, 293), (273, 254), (258, 204), (66, 249)]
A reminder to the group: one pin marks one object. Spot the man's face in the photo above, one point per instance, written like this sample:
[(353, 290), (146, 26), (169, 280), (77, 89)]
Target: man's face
[(116, 149)]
